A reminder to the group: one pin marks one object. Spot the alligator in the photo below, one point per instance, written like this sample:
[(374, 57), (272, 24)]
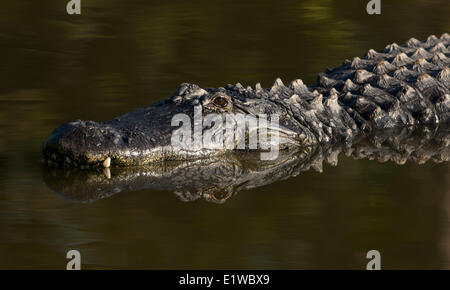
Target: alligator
[(400, 86), (217, 178)]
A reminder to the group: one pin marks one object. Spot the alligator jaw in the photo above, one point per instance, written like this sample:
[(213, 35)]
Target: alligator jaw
[(129, 141), (71, 145), (92, 144)]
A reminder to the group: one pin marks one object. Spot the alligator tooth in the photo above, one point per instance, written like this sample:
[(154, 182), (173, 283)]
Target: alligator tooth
[(107, 172), (107, 162), (258, 87), (238, 86)]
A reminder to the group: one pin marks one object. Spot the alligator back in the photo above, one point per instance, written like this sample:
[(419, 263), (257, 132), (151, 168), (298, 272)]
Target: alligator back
[(400, 85)]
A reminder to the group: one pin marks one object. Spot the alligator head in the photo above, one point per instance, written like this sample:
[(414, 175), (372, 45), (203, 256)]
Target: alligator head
[(144, 136)]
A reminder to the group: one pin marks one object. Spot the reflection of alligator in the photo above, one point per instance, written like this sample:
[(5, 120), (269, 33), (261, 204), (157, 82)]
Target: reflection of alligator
[(397, 87), (217, 178)]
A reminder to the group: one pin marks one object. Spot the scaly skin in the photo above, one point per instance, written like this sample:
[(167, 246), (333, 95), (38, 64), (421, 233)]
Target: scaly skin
[(400, 86)]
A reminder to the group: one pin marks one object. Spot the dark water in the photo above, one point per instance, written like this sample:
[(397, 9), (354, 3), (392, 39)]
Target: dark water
[(119, 55)]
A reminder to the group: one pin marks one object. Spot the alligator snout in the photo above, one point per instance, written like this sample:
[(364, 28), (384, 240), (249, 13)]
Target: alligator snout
[(82, 143)]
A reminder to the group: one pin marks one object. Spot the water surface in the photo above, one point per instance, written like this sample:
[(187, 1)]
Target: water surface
[(119, 55)]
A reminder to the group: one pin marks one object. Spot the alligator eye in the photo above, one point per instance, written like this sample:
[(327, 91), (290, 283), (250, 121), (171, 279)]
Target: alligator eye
[(220, 101)]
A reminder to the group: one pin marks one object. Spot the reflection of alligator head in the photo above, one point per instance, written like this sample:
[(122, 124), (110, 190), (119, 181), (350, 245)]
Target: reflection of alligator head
[(398, 87), (217, 178)]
